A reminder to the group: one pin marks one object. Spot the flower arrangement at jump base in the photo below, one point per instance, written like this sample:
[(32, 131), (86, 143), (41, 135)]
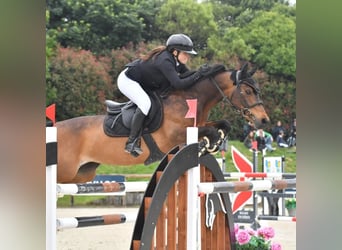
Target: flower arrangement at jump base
[(290, 203), (260, 239)]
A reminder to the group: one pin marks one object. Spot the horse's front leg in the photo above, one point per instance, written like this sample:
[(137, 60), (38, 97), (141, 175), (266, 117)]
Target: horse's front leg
[(212, 135), (222, 126)]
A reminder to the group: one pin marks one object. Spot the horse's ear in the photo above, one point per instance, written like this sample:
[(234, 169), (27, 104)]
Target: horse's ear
[(253, 71), (244, 68)]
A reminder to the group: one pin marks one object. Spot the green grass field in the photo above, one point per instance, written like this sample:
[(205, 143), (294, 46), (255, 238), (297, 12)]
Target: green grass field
[(289, 167), (288, 153)]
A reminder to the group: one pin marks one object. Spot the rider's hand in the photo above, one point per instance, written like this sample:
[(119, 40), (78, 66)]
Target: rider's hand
[(204, 70)]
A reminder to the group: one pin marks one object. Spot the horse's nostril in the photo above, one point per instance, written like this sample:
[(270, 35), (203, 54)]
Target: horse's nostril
[(264, 121)]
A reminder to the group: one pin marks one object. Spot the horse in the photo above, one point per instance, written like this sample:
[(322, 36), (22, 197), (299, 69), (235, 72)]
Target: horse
[(83, 145)]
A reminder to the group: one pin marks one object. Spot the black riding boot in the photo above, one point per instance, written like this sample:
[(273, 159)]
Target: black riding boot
[(133, 142)]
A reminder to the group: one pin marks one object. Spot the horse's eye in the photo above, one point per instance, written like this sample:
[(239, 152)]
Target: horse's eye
[(248, 91)]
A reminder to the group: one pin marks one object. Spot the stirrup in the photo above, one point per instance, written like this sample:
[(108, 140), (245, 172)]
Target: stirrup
[(134, 154), (133, 149)]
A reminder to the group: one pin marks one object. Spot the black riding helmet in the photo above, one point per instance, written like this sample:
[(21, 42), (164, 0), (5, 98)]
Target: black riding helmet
[(180, 42)]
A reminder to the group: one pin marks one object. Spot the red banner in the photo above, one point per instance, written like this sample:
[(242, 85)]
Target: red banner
[(50, 113), (243, 165), (192, 112)]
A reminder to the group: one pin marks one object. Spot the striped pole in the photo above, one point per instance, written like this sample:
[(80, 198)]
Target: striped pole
[(259, 175), (279, 218), (105, 187), (88, 221), (239, 186), (51, 178)]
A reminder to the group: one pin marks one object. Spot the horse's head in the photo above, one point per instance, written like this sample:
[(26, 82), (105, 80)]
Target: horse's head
[(243, 93)]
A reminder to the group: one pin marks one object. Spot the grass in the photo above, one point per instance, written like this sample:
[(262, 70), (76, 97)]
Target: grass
[(289, 167), (288, 153)]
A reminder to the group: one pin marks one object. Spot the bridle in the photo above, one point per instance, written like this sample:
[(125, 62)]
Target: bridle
[(245, 109)]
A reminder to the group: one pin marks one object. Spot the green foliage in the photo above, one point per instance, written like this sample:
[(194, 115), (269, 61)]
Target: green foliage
[(188, 17), (50, 47), (147, 11), (280, 102), (290, 203), (258, 5), (97, 25), (230, 45), (273, 37)]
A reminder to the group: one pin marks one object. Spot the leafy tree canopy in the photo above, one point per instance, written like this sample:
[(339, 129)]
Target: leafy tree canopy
[(188, 17), (96, 25)]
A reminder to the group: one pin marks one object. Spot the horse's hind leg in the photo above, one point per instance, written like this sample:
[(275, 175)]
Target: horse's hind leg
[(86, 172)]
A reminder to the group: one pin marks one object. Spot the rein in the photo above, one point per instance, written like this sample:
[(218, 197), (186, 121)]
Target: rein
[(245, 110)]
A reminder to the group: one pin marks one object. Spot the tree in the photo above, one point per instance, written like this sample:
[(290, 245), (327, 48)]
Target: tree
[(265, 38), (188, 17), (96, 25), (272, 35), (50, 47)]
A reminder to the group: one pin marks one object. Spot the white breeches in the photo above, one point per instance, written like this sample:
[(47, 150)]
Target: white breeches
[(134, 92)]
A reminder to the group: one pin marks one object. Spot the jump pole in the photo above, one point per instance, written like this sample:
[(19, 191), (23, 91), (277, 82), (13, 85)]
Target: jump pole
[(88, 221), (193, 202), (239, 186), (259, 175), (104, 187), (51, 192)]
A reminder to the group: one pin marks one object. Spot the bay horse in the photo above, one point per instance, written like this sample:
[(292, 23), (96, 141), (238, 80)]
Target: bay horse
[(83, 145)]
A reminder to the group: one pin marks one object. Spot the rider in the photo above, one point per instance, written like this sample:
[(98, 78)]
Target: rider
[(156, 71)]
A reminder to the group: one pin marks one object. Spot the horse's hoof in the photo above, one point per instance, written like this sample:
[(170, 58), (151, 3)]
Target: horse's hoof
[(213, 150), (222, 135)]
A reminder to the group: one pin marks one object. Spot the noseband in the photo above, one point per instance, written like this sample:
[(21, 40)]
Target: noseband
[(245, 109)]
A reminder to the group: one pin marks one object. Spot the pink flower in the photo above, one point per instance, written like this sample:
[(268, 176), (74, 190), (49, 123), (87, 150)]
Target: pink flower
[(251, 231), (243, 237), (275, 246), (266, 232)]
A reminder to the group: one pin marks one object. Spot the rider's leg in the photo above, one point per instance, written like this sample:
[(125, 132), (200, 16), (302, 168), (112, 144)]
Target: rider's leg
[(133, 142), (136, 94)]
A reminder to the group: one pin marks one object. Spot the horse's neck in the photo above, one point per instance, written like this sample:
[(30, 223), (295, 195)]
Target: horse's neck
[(204, 91)]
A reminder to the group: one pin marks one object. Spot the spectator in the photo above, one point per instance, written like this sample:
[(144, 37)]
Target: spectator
[(280, 140), (291, 141), (264, 140), (276, 129), (248, 141)]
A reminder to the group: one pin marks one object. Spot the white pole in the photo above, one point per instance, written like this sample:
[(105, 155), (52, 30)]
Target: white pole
[(193, 215), (51, 195)]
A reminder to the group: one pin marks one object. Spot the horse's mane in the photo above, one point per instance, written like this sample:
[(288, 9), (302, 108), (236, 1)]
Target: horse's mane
[(212, 70)]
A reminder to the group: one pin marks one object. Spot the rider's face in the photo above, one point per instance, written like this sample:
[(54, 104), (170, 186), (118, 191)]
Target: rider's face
[(183, 57)]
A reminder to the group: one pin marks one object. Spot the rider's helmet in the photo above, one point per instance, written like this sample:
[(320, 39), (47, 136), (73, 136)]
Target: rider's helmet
[(180, 42)]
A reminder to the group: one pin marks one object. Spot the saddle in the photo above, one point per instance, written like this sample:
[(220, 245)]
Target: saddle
[(117, 123)]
